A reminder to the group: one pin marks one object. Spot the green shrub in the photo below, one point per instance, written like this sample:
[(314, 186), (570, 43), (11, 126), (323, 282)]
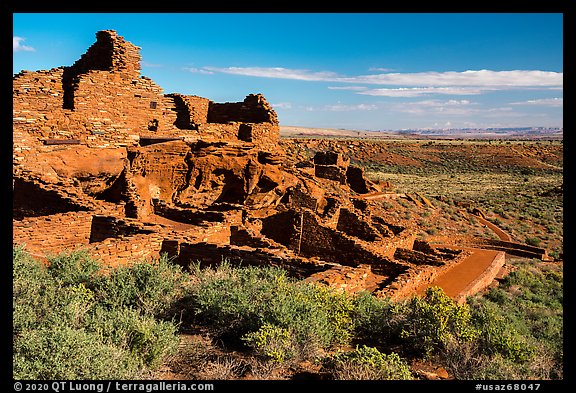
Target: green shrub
[(366, 363), (62, 353), (151, 287), (379, 319), (434, 319), (497, 336), (64, 327), (238, 301), (522, 323), (142, 337), (73, 267), (272, 342)]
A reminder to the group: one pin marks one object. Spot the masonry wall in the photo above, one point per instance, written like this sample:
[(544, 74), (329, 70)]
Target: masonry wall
[(53, 234), (101, 100), (104, 227), (207, 254), (254, 109), (513, 248), (110, 52), (115, 252), (32, 198), (191, 110), (113, 103), (388, 246), (333, 246), (109, 109), (355, 225)]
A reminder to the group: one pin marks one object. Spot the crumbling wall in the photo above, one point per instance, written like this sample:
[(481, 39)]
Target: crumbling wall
[(113, 107), (331, 158), (123, 251), (110, 52), (356, 180), (513, 248), (104, 227), (32, 198), (54, 233), (316, 240), (484, 279), (354, 224), (101, 100), (281, 227), (349, 279), (191, 111), (254, 109)]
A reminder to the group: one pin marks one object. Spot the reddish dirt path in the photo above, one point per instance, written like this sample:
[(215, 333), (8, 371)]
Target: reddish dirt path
[(499, 232), (455, 280), (379, 195)]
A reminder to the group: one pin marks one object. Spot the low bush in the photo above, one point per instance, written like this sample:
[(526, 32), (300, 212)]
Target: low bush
[(66, 327), (366, 363), (522, 323), (435, 318), (379, 320), (152, 287), (272, 343), (238, 301)]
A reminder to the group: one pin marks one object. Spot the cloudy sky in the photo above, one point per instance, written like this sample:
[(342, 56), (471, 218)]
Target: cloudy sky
[(376, 71)]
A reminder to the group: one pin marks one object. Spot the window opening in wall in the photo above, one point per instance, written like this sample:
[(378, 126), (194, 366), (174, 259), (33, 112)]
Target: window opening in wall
[(153, 104), (153, 125)]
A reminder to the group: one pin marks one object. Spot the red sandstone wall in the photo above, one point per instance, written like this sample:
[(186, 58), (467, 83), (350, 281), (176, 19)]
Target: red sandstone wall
[(54, 233), (109, 109), (114, 103), (102, 101), (113, 252)]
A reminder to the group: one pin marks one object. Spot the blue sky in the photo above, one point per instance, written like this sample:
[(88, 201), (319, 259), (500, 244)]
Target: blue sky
[(375, 71)]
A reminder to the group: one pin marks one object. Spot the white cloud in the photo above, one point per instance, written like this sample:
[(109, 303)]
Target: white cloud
[(282, 105), (347, 108), (484, 78), (380, 69), (339, 107), (556, 102), (352, 88), (276, 72), (198, 70), (437, 107), (18, 47), (468, 79), (422, 91)]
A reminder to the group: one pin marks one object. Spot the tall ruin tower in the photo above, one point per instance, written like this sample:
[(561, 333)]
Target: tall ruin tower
[(102, 100), (112, 53)]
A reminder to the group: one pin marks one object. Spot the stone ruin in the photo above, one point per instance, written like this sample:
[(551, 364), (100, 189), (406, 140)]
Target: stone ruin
[(103, 160)]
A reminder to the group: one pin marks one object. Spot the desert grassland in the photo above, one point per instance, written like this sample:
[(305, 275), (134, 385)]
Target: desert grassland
[(467, 185), (523, 203)]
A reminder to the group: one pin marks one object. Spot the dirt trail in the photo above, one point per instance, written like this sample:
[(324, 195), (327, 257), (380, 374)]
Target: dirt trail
[(499, 232), (455, 280), (380, 195)]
